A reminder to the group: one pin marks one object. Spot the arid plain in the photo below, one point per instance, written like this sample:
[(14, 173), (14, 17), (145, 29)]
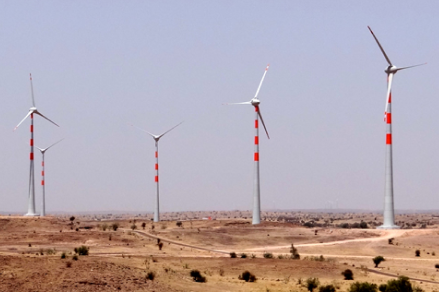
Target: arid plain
[(120, 260)]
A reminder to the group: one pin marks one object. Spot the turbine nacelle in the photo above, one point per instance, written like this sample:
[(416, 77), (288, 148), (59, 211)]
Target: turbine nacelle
[(255, 102), (391, 69)]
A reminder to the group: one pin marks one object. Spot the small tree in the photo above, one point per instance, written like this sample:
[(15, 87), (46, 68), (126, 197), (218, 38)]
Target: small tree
[(143, 225), (179, 224), (243, 256), (312, 283), (377, 260), (160, 244), (233, 254), (348, 274), (363, 287), (72, 218), (115, 226), (418, 253), (196, 275), (63, 255), (363, 225), (327, 288), (247, 276), (294, 253)]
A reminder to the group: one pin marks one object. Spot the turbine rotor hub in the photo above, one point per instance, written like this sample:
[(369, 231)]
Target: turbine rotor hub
[(255, 102)]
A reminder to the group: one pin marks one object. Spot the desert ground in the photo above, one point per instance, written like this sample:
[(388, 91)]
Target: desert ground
[(120, 260)]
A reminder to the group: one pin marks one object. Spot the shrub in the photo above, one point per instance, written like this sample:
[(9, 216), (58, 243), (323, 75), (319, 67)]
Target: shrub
[(436, 266), (143, 225), (344, 225), (382, 287), (104, 226), (72, 218), (247, 276), (363, 225), (268, 255), (312, 283), (400, 284), (327, 288), (433, 253), (82, 250), (294, 253), (63, 255), (363, 287), (253, 256), (75, 257), (233, 254), (196, 275), (348, 274), (50, 251), (243, 256), (134, 226), (68, 264), (418, 253), (115, 226), (221, 272), (150, 276), (179, 223), (160, 244), (391, 240), (377, 260)]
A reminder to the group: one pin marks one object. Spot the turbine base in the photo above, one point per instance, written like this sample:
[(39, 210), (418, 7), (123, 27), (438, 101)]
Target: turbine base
[(31, 214), (389, 227)]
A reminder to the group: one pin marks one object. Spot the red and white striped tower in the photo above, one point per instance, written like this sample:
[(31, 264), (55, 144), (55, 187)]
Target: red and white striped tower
[(33, 110), (157, 199), (389, 211), (256, 219), (31, 197), (156, 178), (43, 184)]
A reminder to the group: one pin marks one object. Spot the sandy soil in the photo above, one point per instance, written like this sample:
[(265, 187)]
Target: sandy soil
[(30, 255)]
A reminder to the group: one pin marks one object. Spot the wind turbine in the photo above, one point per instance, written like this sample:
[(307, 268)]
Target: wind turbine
[(33, 110), (156, 179), (389, 214), (43, 206), (256, 219)]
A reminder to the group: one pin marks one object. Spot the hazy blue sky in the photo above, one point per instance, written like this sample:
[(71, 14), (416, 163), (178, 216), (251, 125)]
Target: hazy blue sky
[(100, 65)]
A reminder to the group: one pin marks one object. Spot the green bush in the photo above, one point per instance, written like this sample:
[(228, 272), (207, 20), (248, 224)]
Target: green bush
[(312, 283), (327, 288), (402, 284), (82, 250), (196, 275), (247, 276), (377, 260), (382, 287), (150, 276), (268, 255), (363, 287), (348, 274)]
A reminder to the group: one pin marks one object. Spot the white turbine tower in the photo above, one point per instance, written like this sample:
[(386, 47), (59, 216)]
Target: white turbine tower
[(256, 219), (156, 179), (389, 214), (43, 184), (33, 110)]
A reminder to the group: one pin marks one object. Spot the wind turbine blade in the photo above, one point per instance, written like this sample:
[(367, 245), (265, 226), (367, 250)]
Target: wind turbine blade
[(152, 135), (28, 114), (410, 66), (38, 113), (262, 80), (32, 90), (247, 102), (52, 145), (169, 130), (262, 120), (389, 90), (381, 48), (42, 150)]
